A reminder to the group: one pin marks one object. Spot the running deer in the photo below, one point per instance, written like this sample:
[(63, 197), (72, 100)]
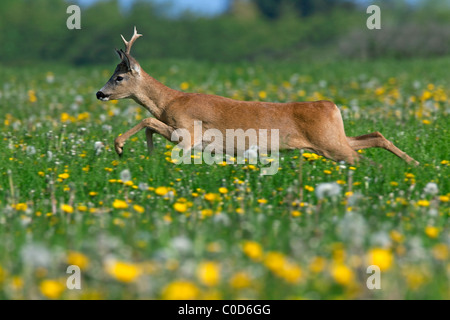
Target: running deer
[(316, 126)]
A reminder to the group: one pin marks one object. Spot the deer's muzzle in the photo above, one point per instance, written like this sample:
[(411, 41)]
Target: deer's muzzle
[(102, 96)]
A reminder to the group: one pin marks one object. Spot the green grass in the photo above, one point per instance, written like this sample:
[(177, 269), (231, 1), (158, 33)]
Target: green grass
[(261, 239)]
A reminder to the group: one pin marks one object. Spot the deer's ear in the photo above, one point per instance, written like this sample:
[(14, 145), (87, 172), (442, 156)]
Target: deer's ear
[(124, 58), (119, 53), (130, 62)]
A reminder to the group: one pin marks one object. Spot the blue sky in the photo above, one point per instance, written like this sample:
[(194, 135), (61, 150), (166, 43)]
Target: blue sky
[(204, 7)]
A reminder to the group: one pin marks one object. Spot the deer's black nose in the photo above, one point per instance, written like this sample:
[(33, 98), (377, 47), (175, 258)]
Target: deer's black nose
[(100, 95)]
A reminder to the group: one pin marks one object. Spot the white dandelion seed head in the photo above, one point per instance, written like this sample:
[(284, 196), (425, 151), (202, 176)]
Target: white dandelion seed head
[(143, 186), (431, 188), (35, 255), (125, 175), (181, 243), (31, 150), (328, 190)]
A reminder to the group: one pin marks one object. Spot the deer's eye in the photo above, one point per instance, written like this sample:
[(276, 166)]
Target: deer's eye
[(119, 78)]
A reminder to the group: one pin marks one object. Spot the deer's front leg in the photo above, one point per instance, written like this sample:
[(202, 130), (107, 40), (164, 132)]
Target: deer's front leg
[(152, 125)]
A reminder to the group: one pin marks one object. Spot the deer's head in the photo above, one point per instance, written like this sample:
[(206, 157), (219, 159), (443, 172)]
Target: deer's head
[(124, 83)]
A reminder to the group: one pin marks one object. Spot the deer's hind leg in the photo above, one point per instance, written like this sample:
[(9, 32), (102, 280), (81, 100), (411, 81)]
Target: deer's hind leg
[(376, 140)]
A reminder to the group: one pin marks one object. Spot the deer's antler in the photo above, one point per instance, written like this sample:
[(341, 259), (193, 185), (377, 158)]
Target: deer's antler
[(128, 44)]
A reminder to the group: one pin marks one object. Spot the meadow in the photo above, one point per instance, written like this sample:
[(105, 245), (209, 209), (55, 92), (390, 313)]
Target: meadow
[(143, 227)]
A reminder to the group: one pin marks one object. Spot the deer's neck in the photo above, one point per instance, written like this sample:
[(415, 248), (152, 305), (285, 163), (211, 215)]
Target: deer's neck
[(154, 96)]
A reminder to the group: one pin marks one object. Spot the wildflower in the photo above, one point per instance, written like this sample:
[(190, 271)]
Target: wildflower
[(78, 259), (396, 236), (317, 264), (120, 204), (440, 251), (184, 85), (180, 290), (209, 273), (67, 208), (51, 289), (432, 232), (35, 255), (210, 196), (444, 198), (262, 95), (253, 250), (181, 243), (342, 274), (423, 203), (123, 271), (296, 213), (206, 213), (327, 189), (223, 190), (161, 191), (32, 96), (64, 176), (180, 207), (138, 208), (431, 188), (240, 280), (382, 258), (125, 175), (21, 207), (98, 147), (274, 261), (31, 150), (65, 117)]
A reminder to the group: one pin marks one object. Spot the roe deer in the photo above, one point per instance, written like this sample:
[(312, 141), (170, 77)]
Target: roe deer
[(316, 126)]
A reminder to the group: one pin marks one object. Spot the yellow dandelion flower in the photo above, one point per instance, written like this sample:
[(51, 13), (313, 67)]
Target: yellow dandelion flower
[(432, 232), (262, 201), (262, 95), (64, 176), (161, 191), (223, 190), (138, 208), (21, 207), (317, 264), (296, 213), (440, 251), (124, 271), (180, 290), (274, 261), (342, 274), (120, 204), (240, 280), (51, 289), (210, 196), (67, 208), (180, 207), (206, 213), (382, 258), (65, 117), (253, 250), (423, 203), (184, 85), (444, 198), (291, 273), (209, 273), (78, 259), (396, 236)]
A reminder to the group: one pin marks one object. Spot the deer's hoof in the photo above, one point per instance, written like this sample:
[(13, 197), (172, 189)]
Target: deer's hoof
[(119, 147)]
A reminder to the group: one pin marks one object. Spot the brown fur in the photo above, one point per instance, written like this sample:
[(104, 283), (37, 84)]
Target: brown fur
[(316, 126)]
